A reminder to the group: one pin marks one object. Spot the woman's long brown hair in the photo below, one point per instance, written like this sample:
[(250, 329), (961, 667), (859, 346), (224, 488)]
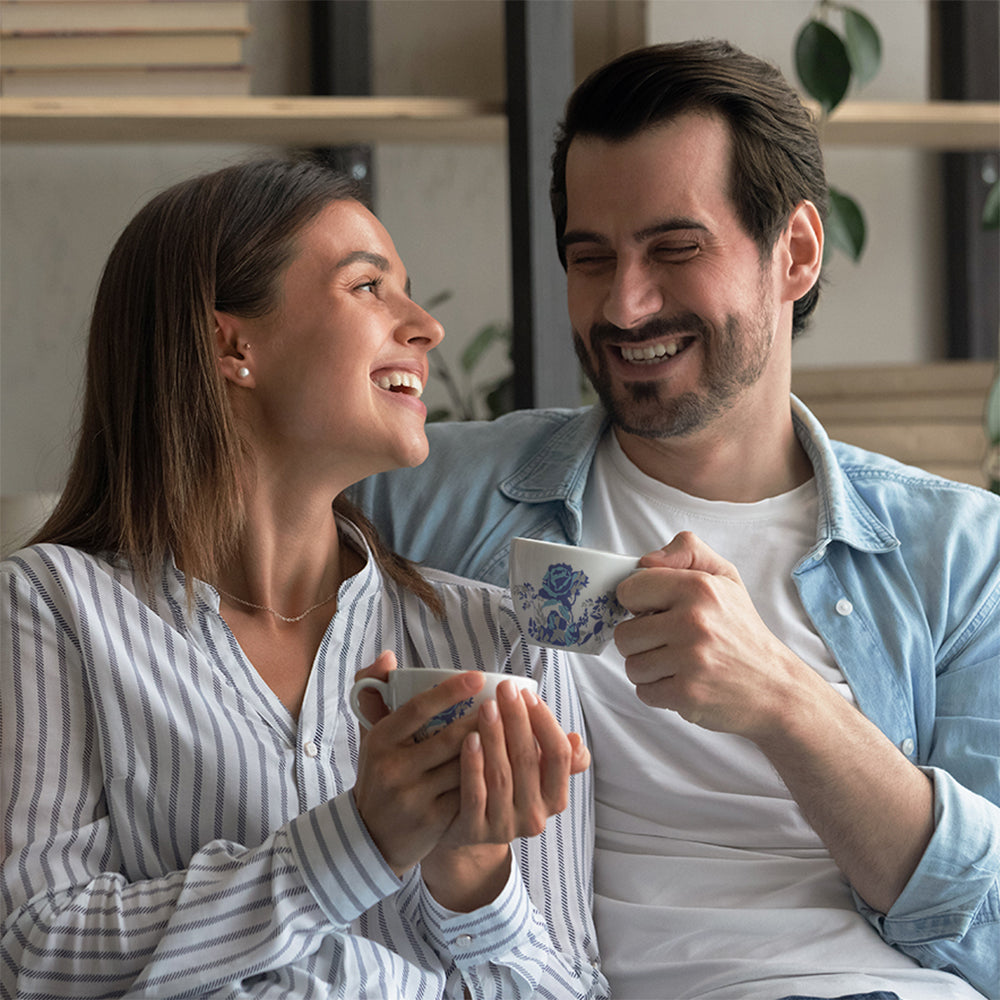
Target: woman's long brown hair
[(159, 466)]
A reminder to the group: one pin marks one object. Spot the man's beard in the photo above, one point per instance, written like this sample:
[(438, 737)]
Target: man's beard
[(735, 358)]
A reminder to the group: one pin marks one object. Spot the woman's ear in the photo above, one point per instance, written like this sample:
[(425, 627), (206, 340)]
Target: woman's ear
[(235, 362), (804, 237)]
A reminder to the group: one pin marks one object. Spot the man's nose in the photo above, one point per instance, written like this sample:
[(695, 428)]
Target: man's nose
[(634, 297)]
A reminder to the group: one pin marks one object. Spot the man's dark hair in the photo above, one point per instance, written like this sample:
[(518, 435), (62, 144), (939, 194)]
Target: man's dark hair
[(776, 158)]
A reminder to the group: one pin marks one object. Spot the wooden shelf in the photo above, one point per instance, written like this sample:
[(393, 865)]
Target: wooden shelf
[(935, 125), (279, 121)]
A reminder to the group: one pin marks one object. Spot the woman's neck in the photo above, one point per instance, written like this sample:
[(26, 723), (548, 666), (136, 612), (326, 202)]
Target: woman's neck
[(289, 557)]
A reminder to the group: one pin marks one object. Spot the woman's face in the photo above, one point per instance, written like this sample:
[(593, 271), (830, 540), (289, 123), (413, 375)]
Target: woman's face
[(338, 367)]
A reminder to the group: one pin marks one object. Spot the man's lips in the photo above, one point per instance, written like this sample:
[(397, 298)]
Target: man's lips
[(655, 342), (646, 354)]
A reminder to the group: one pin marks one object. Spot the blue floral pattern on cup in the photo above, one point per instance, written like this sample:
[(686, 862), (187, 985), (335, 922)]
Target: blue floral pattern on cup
[(555, 618), (442, 719)]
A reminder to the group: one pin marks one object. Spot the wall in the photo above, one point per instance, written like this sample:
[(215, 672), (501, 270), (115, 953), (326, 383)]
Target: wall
[(61, 209), (62, 205)]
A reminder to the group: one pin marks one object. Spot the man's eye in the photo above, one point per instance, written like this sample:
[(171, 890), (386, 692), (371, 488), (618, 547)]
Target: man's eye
[(589, 259), (372, 286), (678, 251)]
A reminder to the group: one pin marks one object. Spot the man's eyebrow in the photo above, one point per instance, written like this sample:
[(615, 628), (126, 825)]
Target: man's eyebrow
[(582, 236), (669, 226), (656, 229)]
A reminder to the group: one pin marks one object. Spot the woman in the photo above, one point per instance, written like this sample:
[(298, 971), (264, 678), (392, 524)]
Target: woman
[(189, 807)]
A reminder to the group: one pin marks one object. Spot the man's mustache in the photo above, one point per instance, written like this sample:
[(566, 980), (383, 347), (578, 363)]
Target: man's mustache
[(655, 329)]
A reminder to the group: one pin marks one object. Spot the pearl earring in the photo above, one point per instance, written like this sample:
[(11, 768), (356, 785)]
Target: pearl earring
[(242, 372)]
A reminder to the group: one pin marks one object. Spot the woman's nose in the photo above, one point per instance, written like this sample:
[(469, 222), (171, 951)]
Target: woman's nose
[(421, 326)]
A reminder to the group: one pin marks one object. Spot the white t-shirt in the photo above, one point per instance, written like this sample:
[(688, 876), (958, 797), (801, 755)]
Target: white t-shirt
[(709, 883)]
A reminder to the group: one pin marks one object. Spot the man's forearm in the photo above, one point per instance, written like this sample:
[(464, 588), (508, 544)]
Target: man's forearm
[(872, 808)]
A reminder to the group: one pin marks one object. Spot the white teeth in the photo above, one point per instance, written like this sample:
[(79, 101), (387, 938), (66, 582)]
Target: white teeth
[(650, 353), (395, 380)]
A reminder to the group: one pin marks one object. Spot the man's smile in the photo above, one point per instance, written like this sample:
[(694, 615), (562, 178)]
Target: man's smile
[(652, 353)]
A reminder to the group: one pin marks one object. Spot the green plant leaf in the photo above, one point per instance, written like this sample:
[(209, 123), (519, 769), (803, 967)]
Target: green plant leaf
[(991, 210), (864, 46), (500, 399), (481, 342), (822, 64), (845, 225)]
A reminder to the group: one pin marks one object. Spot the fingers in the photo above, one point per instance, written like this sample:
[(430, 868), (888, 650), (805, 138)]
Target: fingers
[(384, 662), (556, 756), (495, 819), (668, 573), (409, 719), (581, 755), (371, 702), (515, 770), (687, 551), (522, 750), (474, 795), (654, 630)]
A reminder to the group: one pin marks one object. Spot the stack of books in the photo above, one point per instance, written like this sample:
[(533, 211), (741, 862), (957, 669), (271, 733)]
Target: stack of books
[(62, 48)]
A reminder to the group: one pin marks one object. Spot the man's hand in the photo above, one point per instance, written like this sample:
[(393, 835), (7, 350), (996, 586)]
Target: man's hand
[(698, 646), (701, 649)]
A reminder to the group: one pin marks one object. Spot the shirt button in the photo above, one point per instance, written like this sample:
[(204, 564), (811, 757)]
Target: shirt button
[(310, 749), (907, 746), (463, 940), (843, 606)]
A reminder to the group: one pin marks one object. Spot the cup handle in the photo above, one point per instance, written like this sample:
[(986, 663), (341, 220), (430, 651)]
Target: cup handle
[(359, 686)]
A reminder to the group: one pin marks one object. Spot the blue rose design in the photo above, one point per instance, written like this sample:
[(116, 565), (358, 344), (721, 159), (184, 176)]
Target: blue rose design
[(562, 583)]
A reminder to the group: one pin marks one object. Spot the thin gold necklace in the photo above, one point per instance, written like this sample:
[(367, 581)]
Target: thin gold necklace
[(278, 614)]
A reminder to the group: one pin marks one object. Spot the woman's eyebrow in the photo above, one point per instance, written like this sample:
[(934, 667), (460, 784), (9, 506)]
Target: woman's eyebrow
[(382, 263)]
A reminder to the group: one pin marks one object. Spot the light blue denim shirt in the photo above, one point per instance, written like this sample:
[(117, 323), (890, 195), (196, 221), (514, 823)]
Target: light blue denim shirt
[(902, 583)]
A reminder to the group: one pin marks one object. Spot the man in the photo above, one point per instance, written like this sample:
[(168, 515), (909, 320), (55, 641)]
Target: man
[(797, 738)]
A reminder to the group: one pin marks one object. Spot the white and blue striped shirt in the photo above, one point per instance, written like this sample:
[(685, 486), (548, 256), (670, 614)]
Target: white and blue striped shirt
[(170, 830)]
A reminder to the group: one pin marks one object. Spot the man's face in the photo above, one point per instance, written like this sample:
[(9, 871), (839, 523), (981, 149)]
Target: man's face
[(673, 311)]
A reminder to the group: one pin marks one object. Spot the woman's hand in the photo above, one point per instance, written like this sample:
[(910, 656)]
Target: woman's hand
[(515, 772), (408, 794)]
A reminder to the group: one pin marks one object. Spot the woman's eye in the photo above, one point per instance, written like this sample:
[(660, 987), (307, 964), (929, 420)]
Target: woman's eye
[(372, 286)]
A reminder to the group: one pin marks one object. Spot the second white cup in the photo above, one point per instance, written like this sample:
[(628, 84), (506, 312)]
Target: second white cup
[(406, 682), (564, 595)]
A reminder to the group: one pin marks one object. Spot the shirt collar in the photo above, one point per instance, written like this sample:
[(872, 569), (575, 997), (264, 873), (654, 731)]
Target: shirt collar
[(844, 515), (558, 471)]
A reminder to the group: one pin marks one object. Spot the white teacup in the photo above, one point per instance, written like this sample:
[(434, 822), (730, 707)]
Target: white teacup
[(564, 595), (406, 682)]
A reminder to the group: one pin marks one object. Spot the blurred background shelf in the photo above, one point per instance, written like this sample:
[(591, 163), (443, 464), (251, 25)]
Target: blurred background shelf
[(929, 415), (932, 125), (293, 121)]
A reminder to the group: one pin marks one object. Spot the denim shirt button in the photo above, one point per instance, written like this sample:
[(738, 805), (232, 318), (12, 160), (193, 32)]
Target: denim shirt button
[(843, 606), (907, 746)]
